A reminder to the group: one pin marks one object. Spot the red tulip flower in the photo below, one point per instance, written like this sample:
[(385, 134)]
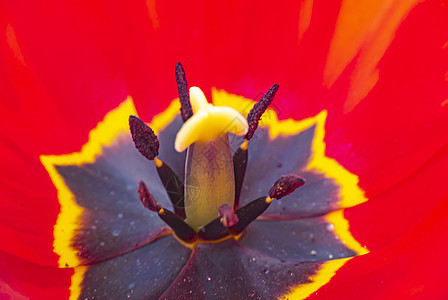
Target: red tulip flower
[(363, 91)]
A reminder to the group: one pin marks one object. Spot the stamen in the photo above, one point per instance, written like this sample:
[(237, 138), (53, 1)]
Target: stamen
[(182, 86), (282, 187), (146, 198), (158, 162), (147, 144), (239, 169), (244, 145), (285, 185), (216, 229), (180, 228), (259, 108), (144, 138), (228, 216), (248, 213), (240, 157), (173, 185)]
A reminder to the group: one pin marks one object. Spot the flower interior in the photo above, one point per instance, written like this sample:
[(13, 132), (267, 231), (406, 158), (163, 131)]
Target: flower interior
[(223, 213), (206, 203)]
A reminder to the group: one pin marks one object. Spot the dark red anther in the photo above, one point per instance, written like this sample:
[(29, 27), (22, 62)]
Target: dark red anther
[(259, 108), (146, 198), (144, 138), (228, 216), (182, 86), (285, 185)]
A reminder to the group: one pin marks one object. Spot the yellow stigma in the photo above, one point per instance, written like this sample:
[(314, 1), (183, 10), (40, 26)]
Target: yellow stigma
[(208, 122)]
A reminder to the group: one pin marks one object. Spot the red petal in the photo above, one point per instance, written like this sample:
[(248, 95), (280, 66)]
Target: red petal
[(403, 120), (20, 279), (406, 230), (413, 267), (387, 217), (35, 117)]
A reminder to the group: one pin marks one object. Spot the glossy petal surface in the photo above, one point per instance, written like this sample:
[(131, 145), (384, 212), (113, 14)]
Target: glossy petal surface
[(144, 273), (266, 164), (223, 270), (113, 221), (310, 239)]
